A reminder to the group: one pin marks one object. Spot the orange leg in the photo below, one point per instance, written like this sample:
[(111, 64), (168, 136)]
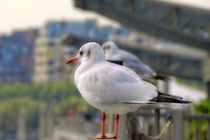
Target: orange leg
[(116, 127), (103, 118)]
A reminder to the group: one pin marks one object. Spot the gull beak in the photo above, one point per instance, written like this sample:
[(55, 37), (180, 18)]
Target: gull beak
[(73, 60)]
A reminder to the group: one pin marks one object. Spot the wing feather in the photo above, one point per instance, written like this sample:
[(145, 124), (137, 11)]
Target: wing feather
[(116, 83)]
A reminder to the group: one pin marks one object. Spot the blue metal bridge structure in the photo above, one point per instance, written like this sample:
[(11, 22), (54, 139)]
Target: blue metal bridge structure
[(183, 24), (175, 22)]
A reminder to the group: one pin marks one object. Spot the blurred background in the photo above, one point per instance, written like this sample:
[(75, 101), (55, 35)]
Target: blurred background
[(38, 97)]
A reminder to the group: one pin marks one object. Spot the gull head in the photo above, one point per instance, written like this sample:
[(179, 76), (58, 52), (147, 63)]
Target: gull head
[(109, 47), (91, 51)]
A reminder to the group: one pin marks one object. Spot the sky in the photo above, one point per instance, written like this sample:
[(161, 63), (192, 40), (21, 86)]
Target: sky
[(21, 14)]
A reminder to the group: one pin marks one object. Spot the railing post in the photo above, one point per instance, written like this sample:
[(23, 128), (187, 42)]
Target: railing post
[(49, 121), (42, 125), (206, 74), (21, 134), (208, 132), (163, 86), (178, 133), (157, 112), (157, 121), (132, 124), (197, 130), (123, 132)]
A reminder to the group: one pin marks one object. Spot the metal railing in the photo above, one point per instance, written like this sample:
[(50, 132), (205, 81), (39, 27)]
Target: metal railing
[(184, 126)]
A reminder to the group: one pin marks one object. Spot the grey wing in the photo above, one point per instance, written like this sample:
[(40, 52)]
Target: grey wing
[(129, 57), (141, 68), (124, 56), (118, 84), (133, 62)]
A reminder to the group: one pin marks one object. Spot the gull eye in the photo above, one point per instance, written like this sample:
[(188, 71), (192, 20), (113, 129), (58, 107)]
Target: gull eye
[(108, 47), (81, 53)]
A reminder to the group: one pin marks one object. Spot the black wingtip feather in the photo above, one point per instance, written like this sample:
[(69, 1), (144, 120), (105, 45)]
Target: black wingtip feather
[(161, 77), (116, 62), (166, 98)]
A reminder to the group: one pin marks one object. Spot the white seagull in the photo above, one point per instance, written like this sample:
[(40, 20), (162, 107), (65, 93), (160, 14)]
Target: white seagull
[(113, 53), (113, 88)]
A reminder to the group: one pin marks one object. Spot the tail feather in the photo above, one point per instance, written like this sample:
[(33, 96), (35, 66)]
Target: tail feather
[(166, 98)]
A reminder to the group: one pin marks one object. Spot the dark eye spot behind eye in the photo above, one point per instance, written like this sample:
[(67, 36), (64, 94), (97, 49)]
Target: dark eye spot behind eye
[(81, 53), (88, 53)]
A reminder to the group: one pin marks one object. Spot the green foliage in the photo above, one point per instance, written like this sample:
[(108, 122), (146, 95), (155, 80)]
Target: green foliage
[(74, 102), (63, 94), (10, 110), (40, 92), (203, 107), (201, 126), (13, 105)]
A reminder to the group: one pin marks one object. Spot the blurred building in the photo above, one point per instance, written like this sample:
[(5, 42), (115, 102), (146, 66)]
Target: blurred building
[(49, 64), (16, 51), (45, 58)]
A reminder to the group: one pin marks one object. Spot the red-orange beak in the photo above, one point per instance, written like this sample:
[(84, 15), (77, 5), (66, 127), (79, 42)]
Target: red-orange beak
[(73, 60)]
